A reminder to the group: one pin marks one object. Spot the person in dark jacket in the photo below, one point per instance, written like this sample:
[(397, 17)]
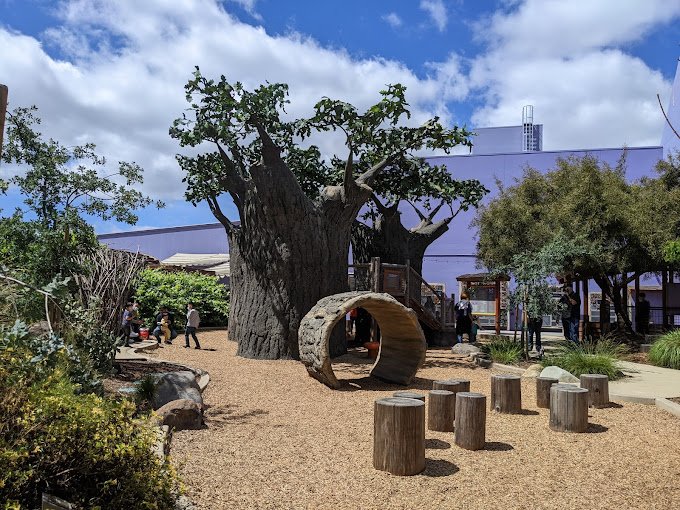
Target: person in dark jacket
[(642, 315), (463, 311)]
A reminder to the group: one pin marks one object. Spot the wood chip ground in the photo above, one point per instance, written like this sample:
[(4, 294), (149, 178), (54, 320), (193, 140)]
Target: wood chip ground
[(278, 439)]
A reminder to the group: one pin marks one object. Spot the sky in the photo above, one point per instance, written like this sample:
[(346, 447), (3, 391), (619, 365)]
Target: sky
[(112, 72)]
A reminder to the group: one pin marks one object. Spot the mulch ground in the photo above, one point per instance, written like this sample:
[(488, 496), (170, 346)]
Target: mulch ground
[(276, 438)]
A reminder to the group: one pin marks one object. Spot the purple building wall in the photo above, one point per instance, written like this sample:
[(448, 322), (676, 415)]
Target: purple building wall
[(449, 256)]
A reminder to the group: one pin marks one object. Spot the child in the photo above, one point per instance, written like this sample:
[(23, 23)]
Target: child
[(474, 329), (126, 323), (165, 327)]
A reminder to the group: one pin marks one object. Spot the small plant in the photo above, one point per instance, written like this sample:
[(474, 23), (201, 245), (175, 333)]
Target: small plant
[(503, 350), (665, 352), (145, 391), (589, 358)]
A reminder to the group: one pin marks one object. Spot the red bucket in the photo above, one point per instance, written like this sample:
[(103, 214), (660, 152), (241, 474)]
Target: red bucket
[(144, 333)]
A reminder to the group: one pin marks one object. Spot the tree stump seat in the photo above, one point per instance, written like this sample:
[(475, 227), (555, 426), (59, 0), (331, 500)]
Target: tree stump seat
[(399, 436), (470, 421), (543, 385), (441, 410), (409, 394), (568, 408), (598, 389), (506, 394)]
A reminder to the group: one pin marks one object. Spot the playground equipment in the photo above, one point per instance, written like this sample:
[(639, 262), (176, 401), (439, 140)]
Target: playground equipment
[(402, 345)]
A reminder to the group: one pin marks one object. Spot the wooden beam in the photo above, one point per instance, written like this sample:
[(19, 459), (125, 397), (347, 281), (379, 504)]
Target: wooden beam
[(4, 92), (498, 306)]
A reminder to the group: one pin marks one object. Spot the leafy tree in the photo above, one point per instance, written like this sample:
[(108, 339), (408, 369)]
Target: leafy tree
[(620, 227), (407, 178), (61, 186), (290, 246)]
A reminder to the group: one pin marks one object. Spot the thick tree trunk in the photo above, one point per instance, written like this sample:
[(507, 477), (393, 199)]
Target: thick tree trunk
[(392, 242), (615, 290)]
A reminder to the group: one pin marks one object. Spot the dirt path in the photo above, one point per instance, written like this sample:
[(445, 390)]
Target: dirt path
[(279, 439)]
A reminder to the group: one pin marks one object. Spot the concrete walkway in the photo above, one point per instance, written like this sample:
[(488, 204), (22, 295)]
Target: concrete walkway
[(645, 382)]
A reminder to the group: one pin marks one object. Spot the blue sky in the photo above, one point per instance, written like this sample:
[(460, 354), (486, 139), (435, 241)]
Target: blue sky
[(112, 72)]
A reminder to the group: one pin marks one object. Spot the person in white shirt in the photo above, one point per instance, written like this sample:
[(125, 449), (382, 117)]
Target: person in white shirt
[(193, 320)]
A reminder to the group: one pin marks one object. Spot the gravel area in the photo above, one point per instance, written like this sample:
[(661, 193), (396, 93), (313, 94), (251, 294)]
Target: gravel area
[(277, 438)]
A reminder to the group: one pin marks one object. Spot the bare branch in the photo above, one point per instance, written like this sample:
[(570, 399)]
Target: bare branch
[(348, 178), (369, 175), (434, 211), (418, 212), (378, 204), (666, 116)]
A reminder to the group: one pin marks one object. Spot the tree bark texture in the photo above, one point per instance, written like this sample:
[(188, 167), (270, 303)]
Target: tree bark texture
[(399, 436), (568, 408), (287, 252), (470, 421), (598, 389), (441, 410), (506, 394), (615, 288), (392, 242), (543, 385)]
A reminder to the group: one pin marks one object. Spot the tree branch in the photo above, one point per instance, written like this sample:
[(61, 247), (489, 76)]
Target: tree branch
[(434, 211), (666, 116), (221, 217), (418, 212), (348, 177), (378, 204), (369, 175)]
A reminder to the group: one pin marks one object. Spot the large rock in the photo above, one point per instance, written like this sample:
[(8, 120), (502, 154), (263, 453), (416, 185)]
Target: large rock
[(560, 374), (181, 414), (176, 386), (464, 349), (533, 371)]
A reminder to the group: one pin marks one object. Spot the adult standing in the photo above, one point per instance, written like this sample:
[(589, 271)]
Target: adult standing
[(193, 320), (571, 313), (126, 323), (642, 315), (463, 317)]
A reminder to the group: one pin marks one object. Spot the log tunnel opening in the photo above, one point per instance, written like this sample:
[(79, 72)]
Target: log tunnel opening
[(402, 346)]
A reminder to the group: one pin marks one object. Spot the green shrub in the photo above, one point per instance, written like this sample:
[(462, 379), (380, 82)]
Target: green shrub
[(665, 352), (589, 358), (156, 288), (503, 350), (86, 449)]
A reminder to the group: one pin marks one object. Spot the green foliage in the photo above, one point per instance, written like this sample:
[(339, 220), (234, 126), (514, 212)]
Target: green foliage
[(589, 358), (665, 352), (86, 449), (145, 391), (503, 350), (156, 288)]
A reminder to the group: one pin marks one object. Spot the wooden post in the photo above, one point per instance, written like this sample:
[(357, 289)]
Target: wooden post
[(409, 394), (635, 301), (3, 112), (568, 408), (441, 410), (470, 421), (452, 385), (586, 310), (543, 385), (506, 394), (498, 306), (664, 298), (598, 389), (399, 436)]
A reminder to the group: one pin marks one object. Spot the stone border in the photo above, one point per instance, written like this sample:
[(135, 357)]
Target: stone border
[(507, 368), (634, 399), (668, 405)]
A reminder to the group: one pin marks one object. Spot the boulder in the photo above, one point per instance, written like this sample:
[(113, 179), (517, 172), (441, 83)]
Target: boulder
[(559, 373), (533, 371), (484, 362), (464, 349), (176, 386), (181, 414)]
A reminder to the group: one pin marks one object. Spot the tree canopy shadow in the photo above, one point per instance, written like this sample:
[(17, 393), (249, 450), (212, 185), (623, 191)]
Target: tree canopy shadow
[(529, 412), (370, 383), (222, 415), (596, 428), (439, 467)]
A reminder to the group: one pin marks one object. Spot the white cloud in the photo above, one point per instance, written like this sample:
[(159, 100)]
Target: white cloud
[(437, 12), (130, 61), (393, 20), (566, 59)]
